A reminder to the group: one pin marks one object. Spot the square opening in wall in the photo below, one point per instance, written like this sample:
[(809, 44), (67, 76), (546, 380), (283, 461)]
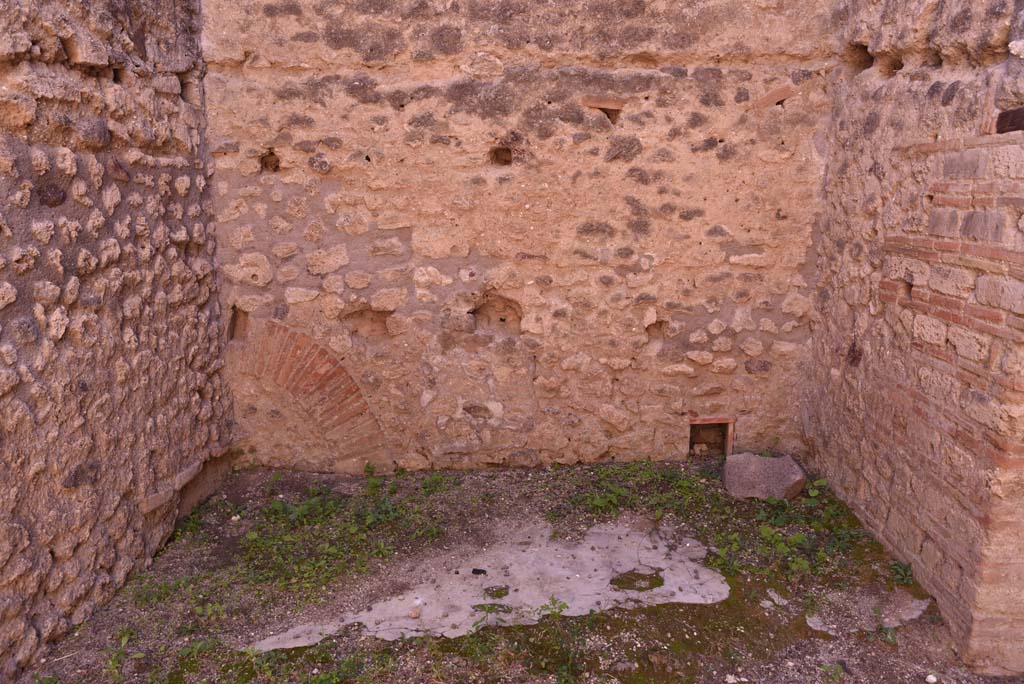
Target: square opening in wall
[(711, 437)]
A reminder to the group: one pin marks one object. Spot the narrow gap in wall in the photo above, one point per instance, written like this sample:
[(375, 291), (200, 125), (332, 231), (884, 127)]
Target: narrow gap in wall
[(612, 114), (1010, 120), (190, 91), (270, 162), (854, 354), (858, 57), (238, 324), (708, 439), (500, 156), (117, 74)]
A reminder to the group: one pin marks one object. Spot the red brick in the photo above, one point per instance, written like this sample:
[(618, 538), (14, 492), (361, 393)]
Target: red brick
[(945, 301), (991, 252), (956, 201), (299, 348), (278, 356), (268, 343), (354, 415), (984, 313), (302, 370), (336, 374)]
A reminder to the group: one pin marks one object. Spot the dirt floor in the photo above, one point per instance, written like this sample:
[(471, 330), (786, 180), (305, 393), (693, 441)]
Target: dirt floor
[(278, 549)]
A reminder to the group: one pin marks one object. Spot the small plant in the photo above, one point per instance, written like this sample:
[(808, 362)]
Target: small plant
[(901, 573), (833, 671), (190, 526), (888, 635), (554, 607), (118, 655), (556, 646), (814, 491), (148, 591), (436, 483), (210, 610)]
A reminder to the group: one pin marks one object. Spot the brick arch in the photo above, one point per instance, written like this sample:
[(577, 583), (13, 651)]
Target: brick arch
[(312, 376)]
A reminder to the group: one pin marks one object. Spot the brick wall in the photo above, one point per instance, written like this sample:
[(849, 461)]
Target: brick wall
[(916, 410)]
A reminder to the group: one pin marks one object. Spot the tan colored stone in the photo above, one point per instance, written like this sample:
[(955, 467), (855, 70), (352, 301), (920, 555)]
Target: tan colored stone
[(251, 269), (298, 295), (324, 261)]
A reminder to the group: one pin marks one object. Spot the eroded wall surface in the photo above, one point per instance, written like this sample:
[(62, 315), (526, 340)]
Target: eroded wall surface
[(460, 233), (110, 394), (916, 400)]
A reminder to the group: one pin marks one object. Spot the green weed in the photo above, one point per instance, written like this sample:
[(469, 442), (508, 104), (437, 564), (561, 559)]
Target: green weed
[(901, 573)]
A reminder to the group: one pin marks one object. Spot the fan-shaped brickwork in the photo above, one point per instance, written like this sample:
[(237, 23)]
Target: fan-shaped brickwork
[(286, 375)]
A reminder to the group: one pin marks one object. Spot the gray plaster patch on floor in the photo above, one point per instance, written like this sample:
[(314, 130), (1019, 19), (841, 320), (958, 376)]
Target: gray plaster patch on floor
[(534, 568), (866, 609)]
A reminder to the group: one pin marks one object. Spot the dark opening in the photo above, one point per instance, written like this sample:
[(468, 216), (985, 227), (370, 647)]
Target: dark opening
[(858, 57), (500, 156), (497, 315), (270, 162), (1011, 120), (612, 114), (932, 58), (708, 439), (854, 354), (117, 75), (890, 65), (238, 325)]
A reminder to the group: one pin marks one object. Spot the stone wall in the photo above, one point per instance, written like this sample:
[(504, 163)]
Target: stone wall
[(459, 233), (110, 391), (462, 233), (916, 401)]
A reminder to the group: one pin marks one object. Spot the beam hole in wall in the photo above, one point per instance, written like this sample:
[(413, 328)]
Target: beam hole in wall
[(611, 107), (890, 65), (238, 324), (117, 74), (612, 114), (711, 436), (1010, 120), (858, 57), (270, 162), (500, 156), (498, 315)]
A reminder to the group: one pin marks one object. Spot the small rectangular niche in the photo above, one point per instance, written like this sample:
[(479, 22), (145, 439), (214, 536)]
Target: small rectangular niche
[(1010, 121), (238, 324), (712, 436), (611, 107)]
